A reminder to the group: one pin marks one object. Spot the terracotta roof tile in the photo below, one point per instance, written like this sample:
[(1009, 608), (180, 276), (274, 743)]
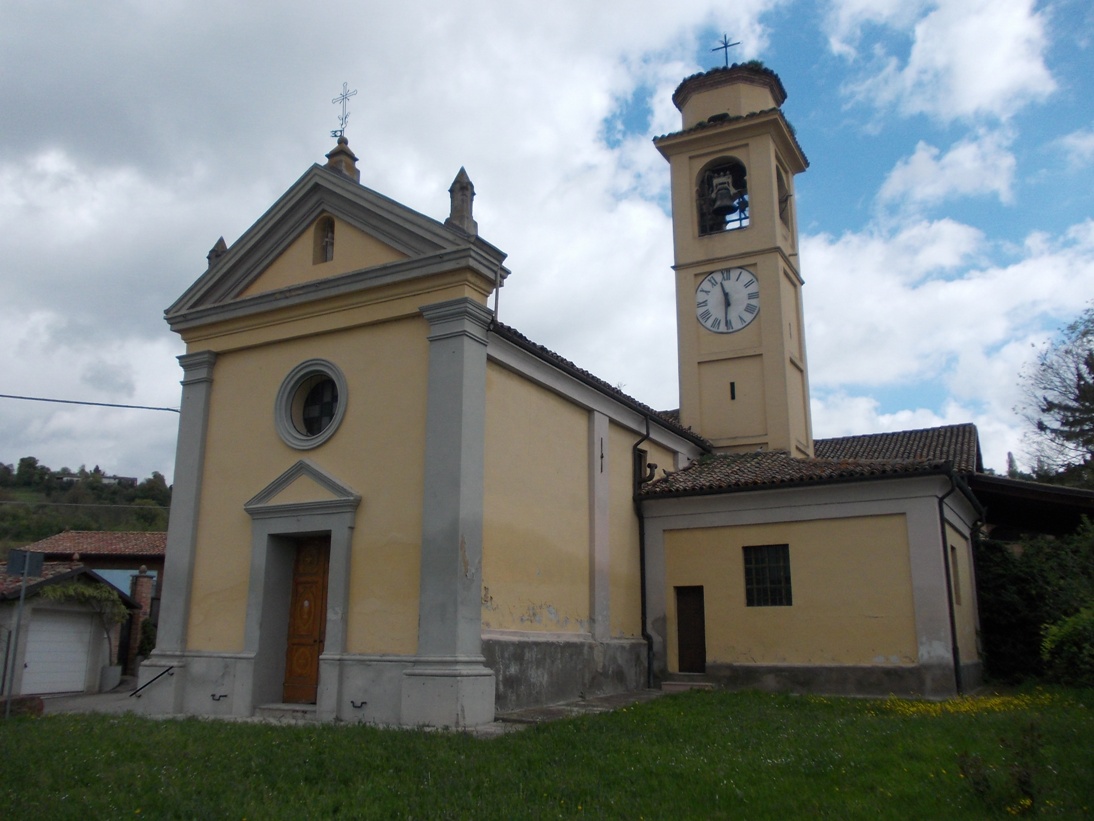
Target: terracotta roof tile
[(90, 543), (959, 444), (766, 469), (9, 585)]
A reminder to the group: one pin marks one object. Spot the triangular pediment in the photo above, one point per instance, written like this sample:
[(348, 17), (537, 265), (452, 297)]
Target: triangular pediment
[(303, 486), (296, 264), (377, 241)]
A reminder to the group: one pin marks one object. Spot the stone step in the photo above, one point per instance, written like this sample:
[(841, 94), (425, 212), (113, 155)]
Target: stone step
[(287, 712), (680, 686)]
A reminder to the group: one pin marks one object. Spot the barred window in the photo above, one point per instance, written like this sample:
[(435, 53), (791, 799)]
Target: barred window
[(767, 575)]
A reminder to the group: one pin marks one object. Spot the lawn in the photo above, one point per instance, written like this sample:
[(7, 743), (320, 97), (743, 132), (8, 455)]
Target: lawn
[(693, 755)]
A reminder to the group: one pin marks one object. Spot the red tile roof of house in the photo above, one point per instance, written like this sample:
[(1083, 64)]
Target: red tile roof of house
[(90, 543), (766, 469), (9, 585), (53, 572)]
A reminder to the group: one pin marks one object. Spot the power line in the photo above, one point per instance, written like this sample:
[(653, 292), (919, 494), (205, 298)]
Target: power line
[(78, 402)]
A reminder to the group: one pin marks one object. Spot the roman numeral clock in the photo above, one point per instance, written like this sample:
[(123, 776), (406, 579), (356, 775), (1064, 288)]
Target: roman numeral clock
[(727, 300)]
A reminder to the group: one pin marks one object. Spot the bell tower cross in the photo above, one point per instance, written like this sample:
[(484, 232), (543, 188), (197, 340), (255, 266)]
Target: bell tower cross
[(740, 335)]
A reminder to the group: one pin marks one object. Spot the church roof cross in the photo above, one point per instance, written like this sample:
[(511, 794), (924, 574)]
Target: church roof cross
[(343, 98), (725, 47)]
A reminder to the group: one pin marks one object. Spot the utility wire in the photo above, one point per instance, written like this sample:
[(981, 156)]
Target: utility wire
[(78, 402)]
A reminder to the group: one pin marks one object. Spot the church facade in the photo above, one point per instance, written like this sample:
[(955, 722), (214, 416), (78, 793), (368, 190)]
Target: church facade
[(390, 508)]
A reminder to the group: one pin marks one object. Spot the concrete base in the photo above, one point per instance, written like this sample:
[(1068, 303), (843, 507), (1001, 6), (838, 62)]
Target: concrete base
[(972, 676), (458, 695), (110, 677), (159, 682), (536, 669), (850, 680)]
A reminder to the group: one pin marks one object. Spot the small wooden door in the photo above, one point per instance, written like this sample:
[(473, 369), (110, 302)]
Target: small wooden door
[(307, 620), (691, 630)]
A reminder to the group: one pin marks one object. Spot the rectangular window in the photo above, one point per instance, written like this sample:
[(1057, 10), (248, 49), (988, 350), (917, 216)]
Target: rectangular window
[(767, 575)]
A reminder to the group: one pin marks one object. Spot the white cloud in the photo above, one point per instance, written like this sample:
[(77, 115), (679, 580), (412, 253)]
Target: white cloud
[(45, 361), (968, 58), (917, 308), (1079, 147), (848, 19), (974, 166)]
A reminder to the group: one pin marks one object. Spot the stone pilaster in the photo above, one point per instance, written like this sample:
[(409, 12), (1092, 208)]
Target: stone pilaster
[(197, 387), (449, 684)]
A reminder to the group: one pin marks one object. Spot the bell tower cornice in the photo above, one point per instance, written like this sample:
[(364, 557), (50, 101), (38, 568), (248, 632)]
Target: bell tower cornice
[(712, 133)]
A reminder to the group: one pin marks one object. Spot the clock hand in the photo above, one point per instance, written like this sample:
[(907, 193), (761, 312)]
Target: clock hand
[(725, 293)]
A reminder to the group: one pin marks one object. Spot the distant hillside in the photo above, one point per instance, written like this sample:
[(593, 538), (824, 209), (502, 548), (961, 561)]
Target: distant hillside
[(36, 502)]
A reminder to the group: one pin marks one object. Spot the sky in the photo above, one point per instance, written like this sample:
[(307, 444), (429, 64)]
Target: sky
[(946, 218)]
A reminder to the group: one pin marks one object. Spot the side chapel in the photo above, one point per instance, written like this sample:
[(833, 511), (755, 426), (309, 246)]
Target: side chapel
[(391, 508)]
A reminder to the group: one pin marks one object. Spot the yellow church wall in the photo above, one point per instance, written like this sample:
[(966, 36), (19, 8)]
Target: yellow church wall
[(385, 367), (964, 593), (851, 587), (625, 592), (536, 509), (353, 249)]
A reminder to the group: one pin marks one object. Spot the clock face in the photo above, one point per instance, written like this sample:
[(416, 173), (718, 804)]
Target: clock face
[(728, 300)]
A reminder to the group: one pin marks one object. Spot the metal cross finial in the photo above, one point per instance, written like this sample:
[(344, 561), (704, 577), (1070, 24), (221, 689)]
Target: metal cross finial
[(725, 47), (342, 120)]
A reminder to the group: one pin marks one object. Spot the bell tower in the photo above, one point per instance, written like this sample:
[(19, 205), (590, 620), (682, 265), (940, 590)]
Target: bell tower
[(740, 337)]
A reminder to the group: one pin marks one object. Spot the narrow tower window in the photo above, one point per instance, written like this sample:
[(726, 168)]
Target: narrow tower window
[(323, 250), (784, 198), (722, 196)]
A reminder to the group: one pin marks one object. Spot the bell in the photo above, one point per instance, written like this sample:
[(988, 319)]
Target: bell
[(724, 198), (725, 203)]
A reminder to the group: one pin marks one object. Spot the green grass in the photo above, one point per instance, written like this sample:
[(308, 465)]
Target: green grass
[(695, 755)]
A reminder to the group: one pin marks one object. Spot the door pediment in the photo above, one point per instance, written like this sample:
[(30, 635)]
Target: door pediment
[(303, 488)]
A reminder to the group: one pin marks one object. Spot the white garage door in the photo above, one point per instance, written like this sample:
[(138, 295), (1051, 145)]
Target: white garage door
[(57, 652)]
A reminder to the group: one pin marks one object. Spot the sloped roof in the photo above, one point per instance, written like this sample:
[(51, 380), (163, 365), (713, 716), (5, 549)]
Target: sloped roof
[(719, 121), (54, 573), (959, 444), (428, 244), (90, 543), (669, 420), (766, 469)]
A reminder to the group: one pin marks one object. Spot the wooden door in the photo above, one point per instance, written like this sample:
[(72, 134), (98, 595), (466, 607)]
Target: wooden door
[(691, 630), (307, 620)]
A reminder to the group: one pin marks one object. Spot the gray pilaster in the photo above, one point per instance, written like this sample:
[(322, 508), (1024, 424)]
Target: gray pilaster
[(197, 386), (451, 685), (599, 531)]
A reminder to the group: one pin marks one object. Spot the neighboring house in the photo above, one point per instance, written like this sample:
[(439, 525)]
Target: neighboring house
[(132, 561), (63, 646), (391, 508), (116, 556)]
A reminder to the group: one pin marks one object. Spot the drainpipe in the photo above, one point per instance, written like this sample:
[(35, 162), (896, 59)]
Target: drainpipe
[(635, 469), (958, 683)]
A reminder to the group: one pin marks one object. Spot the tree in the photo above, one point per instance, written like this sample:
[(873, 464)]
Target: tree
[(1022, 589), (1059, 392)]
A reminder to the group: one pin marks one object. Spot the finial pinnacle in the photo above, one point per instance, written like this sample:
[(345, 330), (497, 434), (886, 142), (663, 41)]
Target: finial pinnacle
[(342, 98), (725, 47)]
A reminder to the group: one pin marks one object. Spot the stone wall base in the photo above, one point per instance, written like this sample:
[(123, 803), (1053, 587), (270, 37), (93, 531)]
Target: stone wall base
[(920, 681), (533, 670), (386, 690), (456, 695)]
